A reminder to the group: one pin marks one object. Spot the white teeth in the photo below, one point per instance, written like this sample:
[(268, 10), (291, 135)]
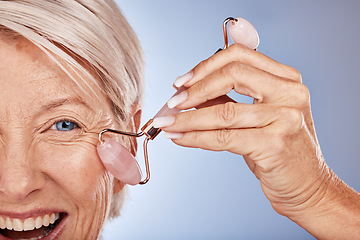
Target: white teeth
[(38, 222), (2, 223), (8, 224), (29, 223), (52, 218), (18, 225), (46, 220)]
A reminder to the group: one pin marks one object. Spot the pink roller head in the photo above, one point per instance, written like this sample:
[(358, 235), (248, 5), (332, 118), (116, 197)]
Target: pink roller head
[(165, 110), (119, 161), (242, 31)]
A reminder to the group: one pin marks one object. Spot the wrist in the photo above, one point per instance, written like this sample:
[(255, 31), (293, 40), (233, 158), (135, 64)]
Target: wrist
[(333, 212)]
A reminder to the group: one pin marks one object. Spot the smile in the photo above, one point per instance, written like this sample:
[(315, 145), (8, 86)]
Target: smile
[(30, 228)]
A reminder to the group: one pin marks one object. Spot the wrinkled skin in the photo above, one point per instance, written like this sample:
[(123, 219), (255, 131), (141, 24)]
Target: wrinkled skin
[(40, 166), (275, 135)]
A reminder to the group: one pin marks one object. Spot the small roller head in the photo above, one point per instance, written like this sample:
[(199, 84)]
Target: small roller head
[(242, 31), (119, 161)]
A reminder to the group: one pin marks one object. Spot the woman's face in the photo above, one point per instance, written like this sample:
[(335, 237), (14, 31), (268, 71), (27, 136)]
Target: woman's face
[(49, 167)]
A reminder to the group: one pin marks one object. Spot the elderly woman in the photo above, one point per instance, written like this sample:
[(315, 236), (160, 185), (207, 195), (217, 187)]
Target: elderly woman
[(70, 69)]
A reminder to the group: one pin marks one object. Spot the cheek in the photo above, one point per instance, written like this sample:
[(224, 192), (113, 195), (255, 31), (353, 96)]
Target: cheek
[(76, 170)]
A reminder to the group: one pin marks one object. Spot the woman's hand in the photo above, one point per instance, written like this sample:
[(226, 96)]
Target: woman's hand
[(275, 135)]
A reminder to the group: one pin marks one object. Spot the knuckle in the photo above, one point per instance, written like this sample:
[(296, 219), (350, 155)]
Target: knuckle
[(298, 93), (223, 138), (200, 88), (296, 75), (226, 113), (233, 69), (201, 66), (195, 136), (303, 94), (293, 119), (185, 117), (205, 66), (237, 48)]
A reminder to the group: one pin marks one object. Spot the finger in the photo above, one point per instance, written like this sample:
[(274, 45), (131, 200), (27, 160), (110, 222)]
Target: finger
[(227, 116), (240, 141), (245, 80), (257, 144), (240, 53)]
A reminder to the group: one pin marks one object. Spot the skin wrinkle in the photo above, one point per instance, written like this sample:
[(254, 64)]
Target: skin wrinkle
[(92, 123), (103, 199), (87, 120)]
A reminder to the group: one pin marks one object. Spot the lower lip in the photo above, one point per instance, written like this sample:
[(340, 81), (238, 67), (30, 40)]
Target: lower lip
[(58, 230), (54, 234)]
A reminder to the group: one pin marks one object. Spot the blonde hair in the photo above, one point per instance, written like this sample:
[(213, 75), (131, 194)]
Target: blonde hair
[(83, 34)]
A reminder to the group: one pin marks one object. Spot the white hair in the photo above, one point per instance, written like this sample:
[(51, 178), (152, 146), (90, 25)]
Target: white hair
[(85, 34)]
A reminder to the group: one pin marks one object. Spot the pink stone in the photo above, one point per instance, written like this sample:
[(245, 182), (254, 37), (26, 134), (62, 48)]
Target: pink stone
[(244, 32), (165, 110), (119, 161)]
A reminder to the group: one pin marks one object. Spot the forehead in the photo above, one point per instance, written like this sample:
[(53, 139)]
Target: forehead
[(28, 77)]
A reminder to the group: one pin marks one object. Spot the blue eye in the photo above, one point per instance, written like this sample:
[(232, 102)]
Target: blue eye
[(64, 125)]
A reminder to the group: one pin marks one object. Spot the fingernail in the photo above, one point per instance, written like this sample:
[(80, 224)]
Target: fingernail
[(183, 79), (176, 100), (173, 135), (163, 121)]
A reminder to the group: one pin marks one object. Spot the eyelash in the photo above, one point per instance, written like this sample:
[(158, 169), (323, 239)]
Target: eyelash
[(52, 125)]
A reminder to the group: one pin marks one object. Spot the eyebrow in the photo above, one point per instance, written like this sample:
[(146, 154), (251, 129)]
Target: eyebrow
[(64, 101)]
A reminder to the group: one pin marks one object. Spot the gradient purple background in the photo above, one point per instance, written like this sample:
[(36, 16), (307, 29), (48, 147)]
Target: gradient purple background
[(195, 194)]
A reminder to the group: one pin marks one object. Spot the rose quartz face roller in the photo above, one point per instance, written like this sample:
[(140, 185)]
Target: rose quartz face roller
[(118, 160), (242, 31)]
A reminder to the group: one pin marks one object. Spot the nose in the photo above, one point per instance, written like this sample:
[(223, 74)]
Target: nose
[(19, 177)]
